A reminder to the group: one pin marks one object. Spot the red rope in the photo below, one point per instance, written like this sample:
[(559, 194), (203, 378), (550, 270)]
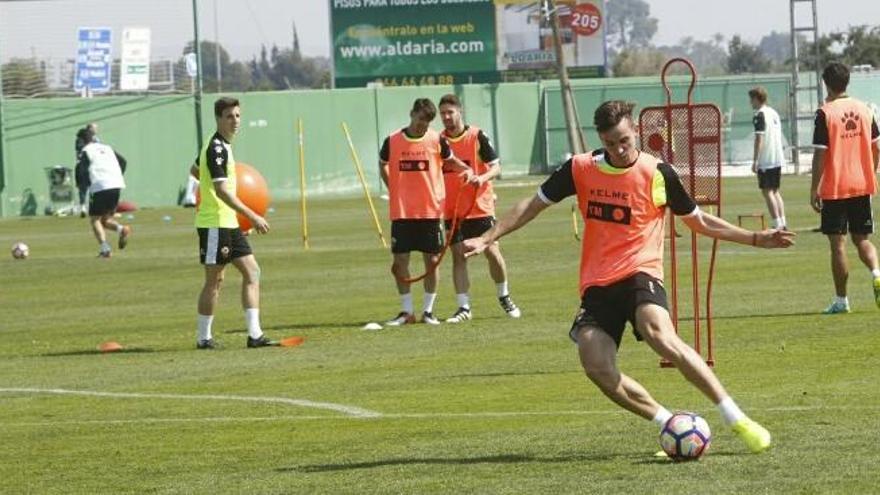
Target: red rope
[(456, 221)]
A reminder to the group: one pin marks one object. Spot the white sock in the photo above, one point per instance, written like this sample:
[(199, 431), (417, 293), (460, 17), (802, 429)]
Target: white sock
[(784, 221), (252, 318), (502, 289), (876, 272), (780, 222), (841, 300), (205, 322), (406, 304), (464, 301), (428, 307), (105, 247), (662, 416), (119, 227), (730, 412)]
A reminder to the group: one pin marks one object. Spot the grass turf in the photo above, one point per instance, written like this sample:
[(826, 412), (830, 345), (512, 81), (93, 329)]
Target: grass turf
[(491, 406)]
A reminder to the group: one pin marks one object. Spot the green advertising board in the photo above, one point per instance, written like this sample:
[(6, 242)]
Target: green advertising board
[(413, 42)]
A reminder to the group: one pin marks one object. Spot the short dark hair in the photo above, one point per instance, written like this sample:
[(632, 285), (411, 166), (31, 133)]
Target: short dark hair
[(836, 77), (758, 93), (424, 106), (610, 113), (86, 135), (223, 103), (450, 99)]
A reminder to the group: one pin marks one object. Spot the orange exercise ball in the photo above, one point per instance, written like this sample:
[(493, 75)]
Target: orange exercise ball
[(251, 189)]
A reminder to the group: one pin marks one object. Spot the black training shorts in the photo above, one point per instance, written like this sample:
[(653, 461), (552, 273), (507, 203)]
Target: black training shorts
[(610, 307), (470, 228), (769, 178), (850, 214), (219, 246), (103, 202), (425, 235)]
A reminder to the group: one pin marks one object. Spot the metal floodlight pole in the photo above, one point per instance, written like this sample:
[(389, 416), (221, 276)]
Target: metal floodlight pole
[(2, 141), (219, 71), (197, 94), (572, 125)]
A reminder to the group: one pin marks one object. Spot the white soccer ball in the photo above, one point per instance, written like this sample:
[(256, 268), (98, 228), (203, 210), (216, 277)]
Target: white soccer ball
[(20, 251), (685, 437)]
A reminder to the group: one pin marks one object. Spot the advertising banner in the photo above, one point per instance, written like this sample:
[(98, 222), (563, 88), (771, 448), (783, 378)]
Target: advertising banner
[(413, 42), (134, 73)]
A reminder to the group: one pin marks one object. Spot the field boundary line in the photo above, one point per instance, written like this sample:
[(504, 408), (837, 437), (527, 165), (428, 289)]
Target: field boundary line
[(352, 411)]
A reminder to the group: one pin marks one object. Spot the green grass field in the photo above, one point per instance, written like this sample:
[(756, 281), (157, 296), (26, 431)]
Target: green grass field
[(492, 406)]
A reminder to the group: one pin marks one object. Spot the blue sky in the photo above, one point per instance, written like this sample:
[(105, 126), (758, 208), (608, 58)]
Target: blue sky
[(48, 27)]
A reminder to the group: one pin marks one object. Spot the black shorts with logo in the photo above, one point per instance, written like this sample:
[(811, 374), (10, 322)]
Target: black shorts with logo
[(610, 307), (425, 235), (850, 214), (103, 202), (219, 246), (470, 228), (769, 178)]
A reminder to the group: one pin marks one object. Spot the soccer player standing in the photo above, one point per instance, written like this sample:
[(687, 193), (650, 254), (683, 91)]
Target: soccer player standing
[(410, 163), (477, 205), (220, 240), (623, 195), (769, 155), (845, 162)]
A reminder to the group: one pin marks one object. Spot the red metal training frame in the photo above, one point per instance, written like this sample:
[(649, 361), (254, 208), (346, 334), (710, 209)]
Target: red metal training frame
[(688, 136)]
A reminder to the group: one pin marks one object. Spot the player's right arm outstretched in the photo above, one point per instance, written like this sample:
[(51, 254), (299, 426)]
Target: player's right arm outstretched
[(522, 213)]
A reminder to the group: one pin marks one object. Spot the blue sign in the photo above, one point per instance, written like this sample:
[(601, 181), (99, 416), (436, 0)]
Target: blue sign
[(93, 59)]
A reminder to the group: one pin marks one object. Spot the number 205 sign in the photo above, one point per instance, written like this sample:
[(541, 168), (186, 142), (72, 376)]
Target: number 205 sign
[(586, 19)]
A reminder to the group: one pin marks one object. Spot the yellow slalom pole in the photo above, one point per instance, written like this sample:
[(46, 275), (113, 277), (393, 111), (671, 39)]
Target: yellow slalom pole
[(574, 222), (360, 174), (302, 187)]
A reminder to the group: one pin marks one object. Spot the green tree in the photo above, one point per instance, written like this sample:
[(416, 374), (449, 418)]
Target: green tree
[(745, 58), (710, 57), (630, 23), (23, 77), (638, 62), (862, 45), (776, 47)]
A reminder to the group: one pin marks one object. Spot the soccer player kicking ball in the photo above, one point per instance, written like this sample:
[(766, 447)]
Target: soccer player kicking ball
[(472, 146), (623, 195), (845, 162), (220, 240), (410, 163), (103, 168)]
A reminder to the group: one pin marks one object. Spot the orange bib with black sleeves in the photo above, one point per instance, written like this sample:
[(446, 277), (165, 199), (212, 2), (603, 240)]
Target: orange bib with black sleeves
[(415, 176), (466, 148), (623, 228)]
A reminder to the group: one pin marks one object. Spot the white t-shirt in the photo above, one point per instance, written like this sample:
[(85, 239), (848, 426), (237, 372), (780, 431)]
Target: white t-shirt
[(768, 124), (104, 169)]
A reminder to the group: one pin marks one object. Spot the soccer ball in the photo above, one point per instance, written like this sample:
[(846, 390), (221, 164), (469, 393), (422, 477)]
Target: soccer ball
[(20, 250), (685, 437)]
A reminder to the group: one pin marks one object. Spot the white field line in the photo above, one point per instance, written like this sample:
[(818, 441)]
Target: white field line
[(352, 411), (362, 415)]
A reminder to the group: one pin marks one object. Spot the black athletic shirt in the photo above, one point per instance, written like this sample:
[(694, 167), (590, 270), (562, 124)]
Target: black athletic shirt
[(384, 153), (560, 185), (217, 157)]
